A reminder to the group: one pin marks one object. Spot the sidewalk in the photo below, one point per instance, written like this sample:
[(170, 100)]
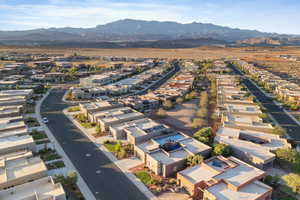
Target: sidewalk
[(69, 165), (124, 164)]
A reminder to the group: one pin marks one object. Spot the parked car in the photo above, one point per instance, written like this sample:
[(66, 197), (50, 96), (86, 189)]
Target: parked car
[(45, 120)]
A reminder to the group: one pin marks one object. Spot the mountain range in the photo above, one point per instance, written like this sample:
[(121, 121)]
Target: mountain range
[(139, 33)]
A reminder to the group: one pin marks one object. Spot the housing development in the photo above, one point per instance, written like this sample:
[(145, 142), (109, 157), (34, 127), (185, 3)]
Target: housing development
[(120, 127)]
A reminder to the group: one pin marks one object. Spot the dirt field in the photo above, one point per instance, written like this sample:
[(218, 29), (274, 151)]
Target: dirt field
[(180, 117), (194, 53)]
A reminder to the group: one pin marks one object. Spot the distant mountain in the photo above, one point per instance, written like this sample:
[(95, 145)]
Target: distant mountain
[(273, 41), (133, 32)]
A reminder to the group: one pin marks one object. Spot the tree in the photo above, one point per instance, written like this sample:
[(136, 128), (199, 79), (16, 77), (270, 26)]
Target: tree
[(198, 122), (194, 160), (60, 179), (167, 104), (203, 112), (72, 178), (204, 135), (278, 131), (118, 147), (161, 113), (221, 149), (292, 180), (288, 155), (98, 129), (179, 100), (272, 181)]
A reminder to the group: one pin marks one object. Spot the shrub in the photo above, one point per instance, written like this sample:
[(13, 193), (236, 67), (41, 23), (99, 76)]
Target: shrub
[(293, 182), (221, 149), (161, 113), (204, 135), (144, 177), (202, 112), (272, 181), (168, 104), (179, 100), (72, 178), (278, 131), (74, 109), (194, 160), (198, 122), (288, 155)]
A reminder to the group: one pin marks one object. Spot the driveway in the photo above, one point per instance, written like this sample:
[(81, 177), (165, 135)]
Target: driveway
[(104, 178)]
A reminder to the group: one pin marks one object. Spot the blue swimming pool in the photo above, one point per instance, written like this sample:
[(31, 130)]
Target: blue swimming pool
[(171, 138)]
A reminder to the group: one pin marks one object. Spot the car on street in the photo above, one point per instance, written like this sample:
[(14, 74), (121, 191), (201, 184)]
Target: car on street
[(45, 120)]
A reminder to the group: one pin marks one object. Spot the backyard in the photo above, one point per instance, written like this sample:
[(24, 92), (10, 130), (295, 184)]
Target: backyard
[(119, 149), (157, 184), (83, 120)]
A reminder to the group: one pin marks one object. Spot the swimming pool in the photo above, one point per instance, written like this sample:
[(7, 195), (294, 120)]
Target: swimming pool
[(172, 138)]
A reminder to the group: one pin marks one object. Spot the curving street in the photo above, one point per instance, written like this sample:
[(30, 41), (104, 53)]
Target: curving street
[(104, 178)]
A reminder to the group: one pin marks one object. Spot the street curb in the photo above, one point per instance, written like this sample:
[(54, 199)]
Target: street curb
[(110, 156), (69, 165)]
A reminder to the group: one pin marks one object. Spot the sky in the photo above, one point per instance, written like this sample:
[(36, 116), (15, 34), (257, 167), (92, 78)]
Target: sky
[(280, 16)]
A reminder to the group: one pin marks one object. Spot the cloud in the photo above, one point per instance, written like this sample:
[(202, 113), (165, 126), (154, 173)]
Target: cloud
[(85, 14)]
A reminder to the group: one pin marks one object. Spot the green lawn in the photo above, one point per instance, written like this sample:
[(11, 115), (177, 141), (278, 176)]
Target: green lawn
[(111, 146), (74, 109), (39, 135), (144, 177), (86, 124)]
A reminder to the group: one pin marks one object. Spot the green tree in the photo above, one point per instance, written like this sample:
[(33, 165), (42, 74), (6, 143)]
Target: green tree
[(278, 131), (221, 149), (198, 122), (204, 135), (118, 147), (292, 180), (288, 155), (98, 128), (161, 113), (60, 179), (194, 160), (167, 104), (272, 181), (179, 100), (202, 112), (72, 178)]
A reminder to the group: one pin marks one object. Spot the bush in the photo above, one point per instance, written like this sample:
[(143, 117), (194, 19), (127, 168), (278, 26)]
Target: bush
[(72, 178), (198, 122), (179, 100), (288, 155), (204, 135), (144, 177), (278, 131), (161, 113), (221, 149), (202, 112), (74, 109), (168, 104), (293, 182), (194, 160), (272, 181)]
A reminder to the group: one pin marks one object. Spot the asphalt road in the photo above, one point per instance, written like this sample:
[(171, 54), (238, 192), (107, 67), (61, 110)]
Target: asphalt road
[(285, 121), (105, 179)]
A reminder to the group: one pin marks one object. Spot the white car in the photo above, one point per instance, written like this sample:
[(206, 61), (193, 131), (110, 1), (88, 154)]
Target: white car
[(45, 120)]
